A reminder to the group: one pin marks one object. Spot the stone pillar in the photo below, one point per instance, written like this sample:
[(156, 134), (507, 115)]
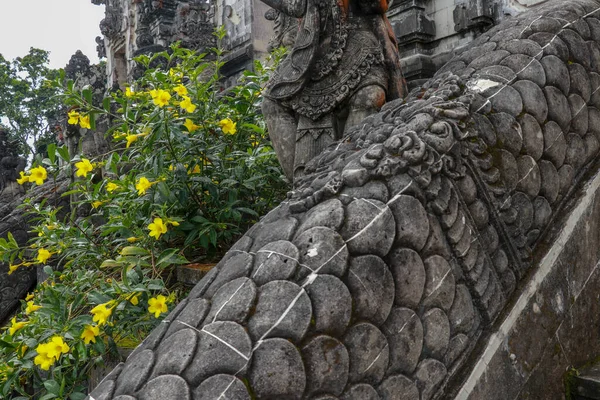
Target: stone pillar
[(414, 30)]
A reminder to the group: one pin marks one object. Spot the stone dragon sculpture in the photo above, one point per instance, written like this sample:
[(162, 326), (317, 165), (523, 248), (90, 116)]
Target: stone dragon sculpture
[(399, 248)]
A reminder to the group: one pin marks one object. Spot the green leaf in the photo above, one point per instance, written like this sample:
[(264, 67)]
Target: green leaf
[(134, 251), (52, 386), (48, 396), (106, 104), (77, 396), (63, 153), (52, 152)]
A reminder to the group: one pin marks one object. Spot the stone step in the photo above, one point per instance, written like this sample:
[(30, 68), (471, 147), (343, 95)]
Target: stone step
[(586, 385)]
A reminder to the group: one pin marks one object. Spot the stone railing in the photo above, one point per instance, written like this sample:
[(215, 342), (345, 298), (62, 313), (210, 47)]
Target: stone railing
[(384, 272)]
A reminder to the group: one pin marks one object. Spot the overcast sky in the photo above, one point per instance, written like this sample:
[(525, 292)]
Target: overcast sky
[(59, 26)]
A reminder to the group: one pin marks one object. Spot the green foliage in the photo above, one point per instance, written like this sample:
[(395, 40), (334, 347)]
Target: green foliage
[(192, 168), (27, 101)]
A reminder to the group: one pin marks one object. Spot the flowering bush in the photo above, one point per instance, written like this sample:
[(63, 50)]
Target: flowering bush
[(191, 169)]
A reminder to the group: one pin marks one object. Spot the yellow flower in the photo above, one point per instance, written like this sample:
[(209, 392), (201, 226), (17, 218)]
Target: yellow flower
[(119, 135), (101, 313), (31, 307), (84, 167), (15, 326), (157, 305), (23, 179), (38, 175), (128, 92), (142, 185), (154, 93), (22, 350), (73, 117), (132, 239), (134, 299), (29, 297), (97, 203), (84, 122), (130, 139), (228, 126), (196, 170), (181, 90), (42, 359), (162, 98), (111, 187), (43, 256), (89, 334), (157, 228), (13, 267), (187, 105), (56, 346), (190, 125)]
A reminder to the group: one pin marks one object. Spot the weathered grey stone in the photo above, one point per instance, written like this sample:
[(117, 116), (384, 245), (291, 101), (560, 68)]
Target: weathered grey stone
[(326, 364), (201, 287), (232, 302), (462, 313), (555, 145), (372, 286), (577, 48), (439, 284), (479, 213), (221, 386), (505, 99), (437, 243), (165, 387), (553, 46), (436, 333), (275, 261), (557, 73), (592, 146), (135, 373), (575, 154), (175, 353), (457, 346), (543, 212), (124, 397), (369, 227), (330, 214), (361, 391), (282, 229), (371, 190), (508, 132), (526, 68), (398, 387), (533, 99), (509, 169), (525, 46), (430, 374), (409, 277), (404, 332), (355, 175), (566, 175), (558, 107), (323, 251), (193, 314), (533, 138), (224, 348), (580, 82), (105, 390), (283, 310), (277, 370), (488, 59), (331, 304), (579, 111), (412, 223), (467, 189), (529, 176), (550, 181), (483, 125), (236, 266), (369, 353)]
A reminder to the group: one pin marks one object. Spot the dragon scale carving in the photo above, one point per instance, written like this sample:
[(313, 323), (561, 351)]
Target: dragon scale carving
[(403, 242)]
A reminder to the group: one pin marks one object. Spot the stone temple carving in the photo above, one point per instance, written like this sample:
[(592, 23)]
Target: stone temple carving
[(402, 243), (343, 66)]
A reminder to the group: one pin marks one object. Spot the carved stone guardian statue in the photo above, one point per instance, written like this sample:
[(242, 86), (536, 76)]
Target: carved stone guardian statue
[(343, 67)]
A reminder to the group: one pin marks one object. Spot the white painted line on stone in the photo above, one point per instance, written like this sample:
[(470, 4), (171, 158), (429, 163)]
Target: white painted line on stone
[(222, 395), (545, 267), (245, 357), (285, 313), (228, 300), (376, 358)]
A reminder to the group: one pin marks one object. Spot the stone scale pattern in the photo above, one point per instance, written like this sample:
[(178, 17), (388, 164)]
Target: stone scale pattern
[(403, 242)]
